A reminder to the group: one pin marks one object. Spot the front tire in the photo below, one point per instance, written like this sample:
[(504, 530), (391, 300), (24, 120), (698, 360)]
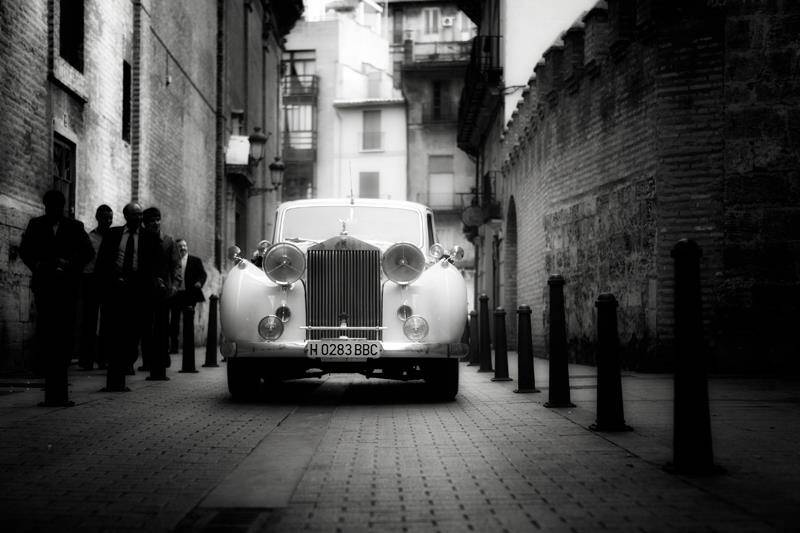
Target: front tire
[(243, 382), (441, 376)]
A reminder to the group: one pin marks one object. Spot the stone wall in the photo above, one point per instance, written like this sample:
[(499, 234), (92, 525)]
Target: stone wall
[(649, 122)]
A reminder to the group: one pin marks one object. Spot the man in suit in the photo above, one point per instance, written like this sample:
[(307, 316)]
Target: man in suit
[(190, 293), (56, 249), (91, 295), (168, 278), (126, 263)]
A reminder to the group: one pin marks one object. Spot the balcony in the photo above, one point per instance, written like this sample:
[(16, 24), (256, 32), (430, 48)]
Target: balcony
[(431, 55), (446, 201), (300, 90), (299, 146), (481, 95), (443, 113)]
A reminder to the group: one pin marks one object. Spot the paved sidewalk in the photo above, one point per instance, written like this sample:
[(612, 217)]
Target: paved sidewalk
[(381, 457)]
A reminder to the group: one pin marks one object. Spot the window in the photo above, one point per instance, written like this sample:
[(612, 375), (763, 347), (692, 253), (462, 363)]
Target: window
[(430, 17), (126, 101), (369, 185), (440, 104), (397, 26), (64, 170), (372, 136), (441, 181), (70, 32)]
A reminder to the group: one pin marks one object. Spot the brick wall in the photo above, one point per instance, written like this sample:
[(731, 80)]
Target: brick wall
[(24, 171), (42, 96), (758, 295), (651, 122)]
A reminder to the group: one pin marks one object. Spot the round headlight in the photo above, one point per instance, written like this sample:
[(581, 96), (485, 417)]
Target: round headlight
[(457, 253), (415, 328), (284, 263), (284, 313), (404, 312), (403, 263), (436, 251), (270, 328)]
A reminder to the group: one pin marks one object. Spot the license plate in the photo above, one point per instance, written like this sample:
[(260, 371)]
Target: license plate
[(344, 349)]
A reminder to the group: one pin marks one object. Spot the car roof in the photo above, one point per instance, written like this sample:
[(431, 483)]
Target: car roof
[(367, 202)]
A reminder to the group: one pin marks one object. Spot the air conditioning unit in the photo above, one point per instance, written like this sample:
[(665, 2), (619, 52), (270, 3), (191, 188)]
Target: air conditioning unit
[(447, 22)]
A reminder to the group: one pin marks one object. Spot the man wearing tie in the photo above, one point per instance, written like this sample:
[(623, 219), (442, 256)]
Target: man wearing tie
[(124, 264), (194, 277)]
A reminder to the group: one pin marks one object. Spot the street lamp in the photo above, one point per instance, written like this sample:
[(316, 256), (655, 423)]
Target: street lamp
[(257, 142), (276, 169)]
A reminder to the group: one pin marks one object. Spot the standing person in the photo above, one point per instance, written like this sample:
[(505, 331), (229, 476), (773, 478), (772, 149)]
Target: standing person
[(91, 295), (56, 249), (167, 279), (124, 262), (190, 293)]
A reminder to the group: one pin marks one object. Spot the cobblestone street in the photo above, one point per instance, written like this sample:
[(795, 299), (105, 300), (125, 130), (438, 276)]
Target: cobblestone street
[(348, 454)]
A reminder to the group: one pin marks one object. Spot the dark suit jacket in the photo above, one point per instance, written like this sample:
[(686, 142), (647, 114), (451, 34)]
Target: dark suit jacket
[(150, 265), (195, 273), (55, 258)]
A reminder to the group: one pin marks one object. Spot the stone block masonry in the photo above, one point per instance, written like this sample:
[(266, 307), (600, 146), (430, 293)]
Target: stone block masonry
[(656, 121)]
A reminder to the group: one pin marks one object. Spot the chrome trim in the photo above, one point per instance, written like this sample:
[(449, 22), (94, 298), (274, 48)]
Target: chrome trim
[(344, 328), (343, 282)]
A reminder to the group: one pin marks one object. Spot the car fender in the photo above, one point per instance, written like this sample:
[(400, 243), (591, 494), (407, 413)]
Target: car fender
[(248, 295), (439, 295)]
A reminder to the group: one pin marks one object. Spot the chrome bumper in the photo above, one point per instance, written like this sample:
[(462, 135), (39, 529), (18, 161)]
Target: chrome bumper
[(390, 349)]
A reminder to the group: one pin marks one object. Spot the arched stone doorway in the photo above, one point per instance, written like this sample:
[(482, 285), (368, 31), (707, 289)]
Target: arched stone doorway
[(510, 274)]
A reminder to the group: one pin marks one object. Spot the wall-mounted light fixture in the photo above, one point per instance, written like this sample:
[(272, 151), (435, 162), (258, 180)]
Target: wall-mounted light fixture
[(276, 169), (257, 142)]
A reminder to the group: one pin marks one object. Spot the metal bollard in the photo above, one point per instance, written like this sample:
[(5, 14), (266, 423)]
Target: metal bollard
[(187, 365), (56, 385), (559, 364), (115, 366), (159, 351), (465, 340), (484, 340), (692, 452), (473, 338), (211, 339), (609, 381), (500, 346), (525, 375)]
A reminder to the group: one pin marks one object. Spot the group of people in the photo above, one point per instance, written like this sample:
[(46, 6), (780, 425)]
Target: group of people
[(134, 281)]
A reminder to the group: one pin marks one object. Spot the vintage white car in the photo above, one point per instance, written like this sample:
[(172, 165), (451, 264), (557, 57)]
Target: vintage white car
[(348, 285)]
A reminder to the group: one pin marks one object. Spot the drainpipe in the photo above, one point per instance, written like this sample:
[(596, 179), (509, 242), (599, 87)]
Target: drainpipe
[(476, 245), (219, 174), (136, 95)]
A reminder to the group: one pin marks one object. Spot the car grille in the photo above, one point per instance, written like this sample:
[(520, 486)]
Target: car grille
[(344, 282)]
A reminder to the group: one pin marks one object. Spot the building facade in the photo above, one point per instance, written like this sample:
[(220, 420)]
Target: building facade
[(344, 121), (125, 100), (647, 122), (430, 45)]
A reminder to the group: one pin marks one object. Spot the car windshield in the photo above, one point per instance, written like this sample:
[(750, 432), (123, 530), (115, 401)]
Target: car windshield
[(369, 223)]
